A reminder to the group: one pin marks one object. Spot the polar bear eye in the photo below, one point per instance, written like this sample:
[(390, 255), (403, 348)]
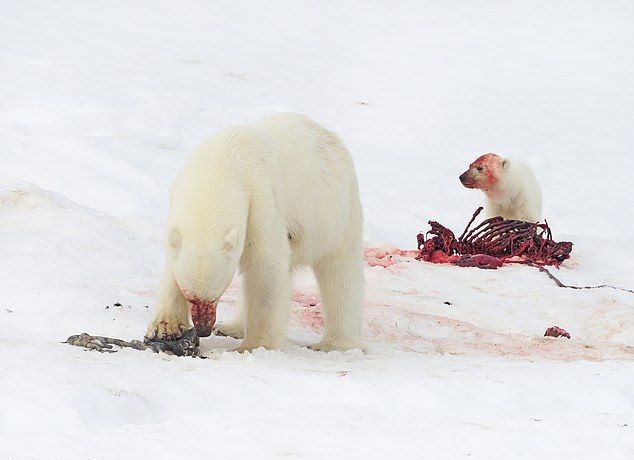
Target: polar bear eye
[(479, 168)]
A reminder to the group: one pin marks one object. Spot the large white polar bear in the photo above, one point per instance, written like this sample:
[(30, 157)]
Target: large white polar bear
[(264, 198)]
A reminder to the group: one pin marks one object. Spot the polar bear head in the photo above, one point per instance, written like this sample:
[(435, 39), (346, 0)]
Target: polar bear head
[(204, 242), (485, 172)]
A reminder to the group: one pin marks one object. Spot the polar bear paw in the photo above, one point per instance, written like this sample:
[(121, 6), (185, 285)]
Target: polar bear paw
[(338, 345), (233, 329), (250, 345), (166, 327)]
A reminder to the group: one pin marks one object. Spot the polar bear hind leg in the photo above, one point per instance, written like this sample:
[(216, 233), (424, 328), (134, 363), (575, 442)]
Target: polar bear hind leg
[(340, 279), (342, 288)]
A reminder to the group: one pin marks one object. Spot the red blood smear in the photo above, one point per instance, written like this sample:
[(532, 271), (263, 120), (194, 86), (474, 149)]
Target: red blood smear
[(491, 178), (556, 331), (310, 313), (489, 160), (203, 316), (311, 317), (387, 257), (486, 159)]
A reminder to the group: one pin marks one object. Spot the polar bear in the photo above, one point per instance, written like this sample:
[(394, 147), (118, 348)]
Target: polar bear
[(264, 198), (511, 189)]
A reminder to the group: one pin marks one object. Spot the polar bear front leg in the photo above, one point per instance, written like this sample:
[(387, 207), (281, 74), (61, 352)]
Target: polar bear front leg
[(341, 285), (267, 297), (171, 314)]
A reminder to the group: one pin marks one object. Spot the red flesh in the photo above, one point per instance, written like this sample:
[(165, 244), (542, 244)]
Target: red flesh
[(479, 260), (492, 243), (556, 331)]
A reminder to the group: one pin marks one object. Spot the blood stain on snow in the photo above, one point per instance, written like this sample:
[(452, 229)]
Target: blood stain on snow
[(377, 257), (431, 333), (308, 312), (145, 293)]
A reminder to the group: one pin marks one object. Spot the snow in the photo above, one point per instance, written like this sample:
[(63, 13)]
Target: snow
[(100, 102)]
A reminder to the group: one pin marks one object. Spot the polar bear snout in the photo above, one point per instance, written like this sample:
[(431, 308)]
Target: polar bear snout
[(203, 315), (203, 312), (467, 180)]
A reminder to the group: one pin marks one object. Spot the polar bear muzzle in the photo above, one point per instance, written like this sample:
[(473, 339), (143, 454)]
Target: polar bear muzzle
[(466, 179), (203, 315)]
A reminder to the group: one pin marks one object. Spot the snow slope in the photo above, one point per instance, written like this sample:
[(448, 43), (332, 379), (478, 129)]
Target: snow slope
[(100, 102)]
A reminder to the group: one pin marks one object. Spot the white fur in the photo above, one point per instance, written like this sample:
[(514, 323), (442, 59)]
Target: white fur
[(264, 198), (516, 195)]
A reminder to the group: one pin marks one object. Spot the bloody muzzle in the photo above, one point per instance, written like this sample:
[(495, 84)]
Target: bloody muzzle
[(203, 316)]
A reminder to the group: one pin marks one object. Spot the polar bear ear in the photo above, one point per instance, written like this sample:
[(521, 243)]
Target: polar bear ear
[(506, 163), (231, 240)]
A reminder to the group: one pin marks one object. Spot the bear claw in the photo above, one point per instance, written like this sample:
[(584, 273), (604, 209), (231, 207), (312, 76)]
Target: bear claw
[(165, 330)]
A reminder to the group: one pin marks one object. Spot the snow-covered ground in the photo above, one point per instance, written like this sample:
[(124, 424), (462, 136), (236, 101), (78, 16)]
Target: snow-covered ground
[(100, 102)]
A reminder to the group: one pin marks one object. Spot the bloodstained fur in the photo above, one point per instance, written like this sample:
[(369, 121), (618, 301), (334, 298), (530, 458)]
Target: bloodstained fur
[(203, 316), (490, 164)]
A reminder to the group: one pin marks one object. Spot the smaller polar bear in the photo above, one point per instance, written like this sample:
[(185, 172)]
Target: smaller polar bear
[(510, 186), (264, 198)]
